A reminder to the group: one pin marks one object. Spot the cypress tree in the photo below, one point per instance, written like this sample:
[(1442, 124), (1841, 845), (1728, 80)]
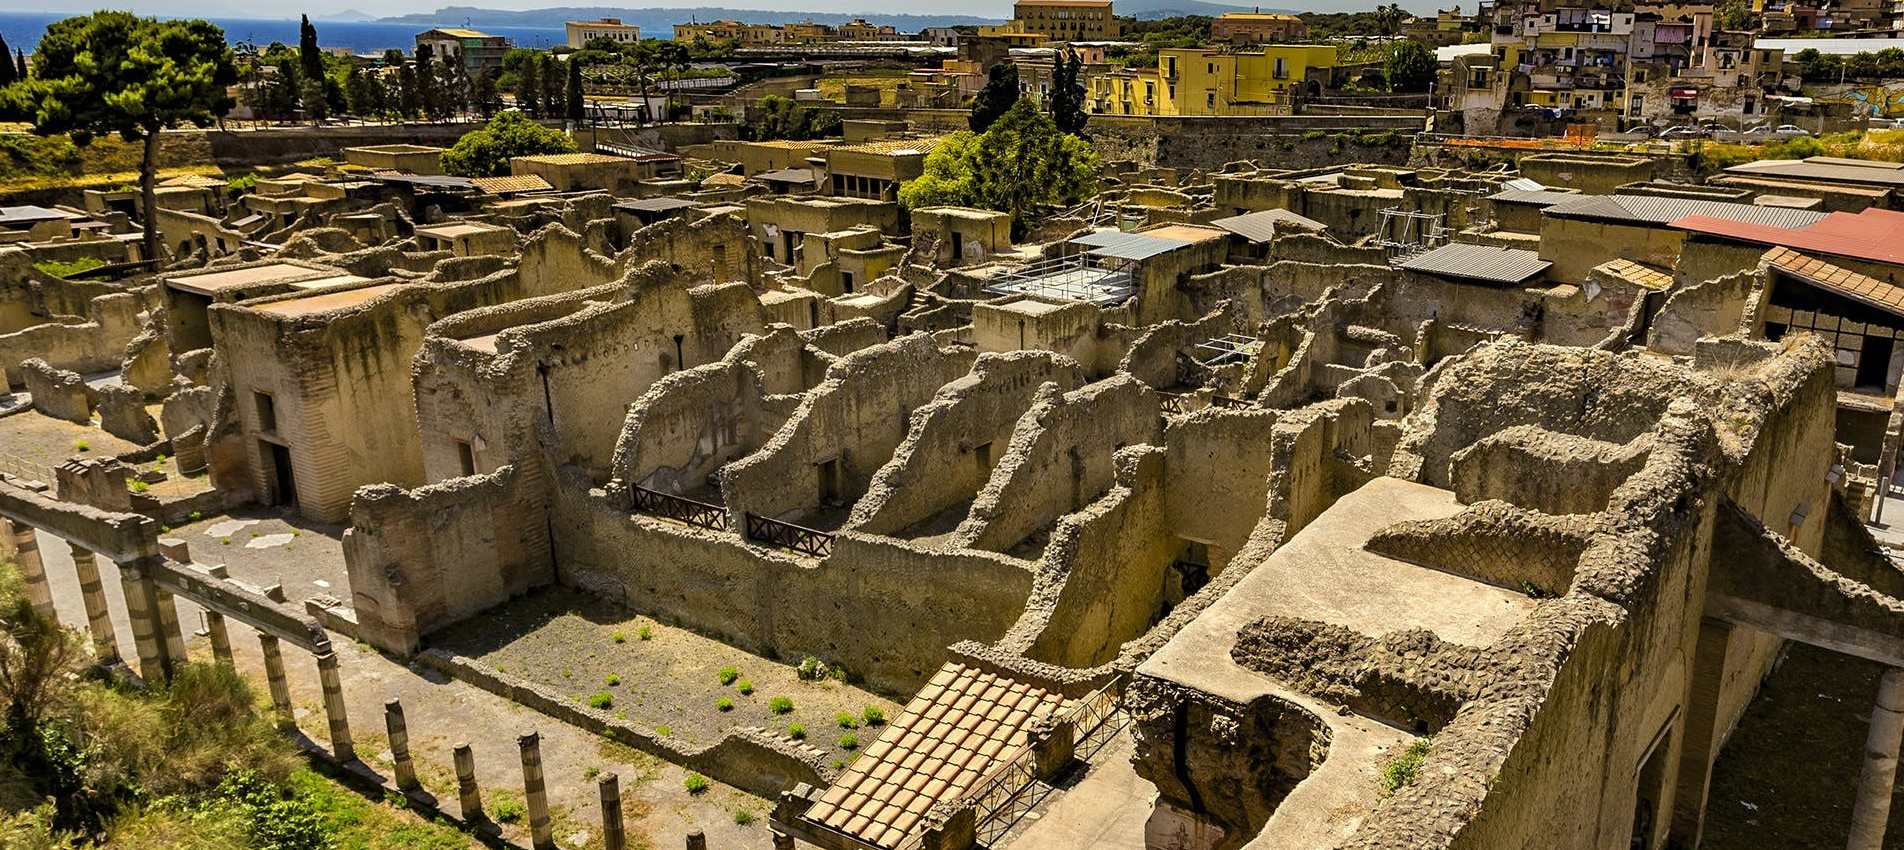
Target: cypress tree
[(7, 71)]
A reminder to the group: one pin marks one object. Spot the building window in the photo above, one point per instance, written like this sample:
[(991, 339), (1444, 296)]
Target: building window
[(267, 409), (466, 457)]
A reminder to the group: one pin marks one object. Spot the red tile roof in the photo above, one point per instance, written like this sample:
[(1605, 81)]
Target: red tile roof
[(1874, 235), (955, 730), (1850, 284)]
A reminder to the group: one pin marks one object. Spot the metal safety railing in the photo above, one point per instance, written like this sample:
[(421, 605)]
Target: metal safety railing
[(680, 508), (807, 541)]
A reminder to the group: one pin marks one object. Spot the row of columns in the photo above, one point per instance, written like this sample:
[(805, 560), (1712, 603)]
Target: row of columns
[(159, 643)]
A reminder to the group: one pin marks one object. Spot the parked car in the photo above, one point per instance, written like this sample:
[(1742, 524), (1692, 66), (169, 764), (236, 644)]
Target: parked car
[(1684, 131), (1792, 130), (1762, 130)]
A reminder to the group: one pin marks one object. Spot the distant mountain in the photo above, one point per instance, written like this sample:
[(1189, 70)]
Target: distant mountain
[(660, 22), (348, 16), (1151, 10)]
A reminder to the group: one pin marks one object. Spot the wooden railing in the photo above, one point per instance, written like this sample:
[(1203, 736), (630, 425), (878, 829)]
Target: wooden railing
[(1229, 402), (668, 506), (807, 541)]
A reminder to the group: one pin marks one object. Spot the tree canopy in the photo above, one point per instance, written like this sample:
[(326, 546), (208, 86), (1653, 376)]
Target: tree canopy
[(1067, 93), (486, 152), (1410, 67), (998, 95), (114, 72), (1020, 163)]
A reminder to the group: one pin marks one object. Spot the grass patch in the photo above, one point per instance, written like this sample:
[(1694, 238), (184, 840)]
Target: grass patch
[(729, 674), (505, 808), (797, 732), (873, 715), (745, 687), (64, 269), (695, 783), (602, 700), (780, 705), (1402, 769), (724, 704)]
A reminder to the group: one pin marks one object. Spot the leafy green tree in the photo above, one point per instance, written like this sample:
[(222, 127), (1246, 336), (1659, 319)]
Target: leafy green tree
[(429, 99), (550, 72), (486, 152), (1410, 67), (1018, 165), (1067, 93), (998, 95), (19, 64), (777, 117), (114, 72), (572, 105), (484, 95), (529, 87), (310, 59)]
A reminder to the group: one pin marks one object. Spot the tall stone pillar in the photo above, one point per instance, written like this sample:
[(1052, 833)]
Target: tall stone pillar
[(614, 834), (541, 831), (169, 628), (274, 675), (1700, 742), (220, 637), (20, 545), (1872, 812), (466, 791), (399, 744), (93, 593), (341, 746), (142, 609)]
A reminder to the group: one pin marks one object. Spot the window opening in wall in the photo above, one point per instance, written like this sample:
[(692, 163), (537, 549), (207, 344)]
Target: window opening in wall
[(466, 457), (267, 410), (829, 481), (846, 281)]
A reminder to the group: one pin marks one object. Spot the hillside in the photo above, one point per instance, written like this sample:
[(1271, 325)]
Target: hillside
[(659, 22)]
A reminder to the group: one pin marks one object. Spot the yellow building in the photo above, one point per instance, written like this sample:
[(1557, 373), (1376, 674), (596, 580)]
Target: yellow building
[(1066, 20), (1210, 82)]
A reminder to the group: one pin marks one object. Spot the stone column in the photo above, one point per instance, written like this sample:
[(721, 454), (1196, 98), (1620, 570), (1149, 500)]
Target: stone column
[(334, 707), (22, 546), (614, 835), (541, 832), (220, 637), (466, 790), (399, 744), (142, 609), (93, 593), (1872, 812), (280, 687), (169, 628)]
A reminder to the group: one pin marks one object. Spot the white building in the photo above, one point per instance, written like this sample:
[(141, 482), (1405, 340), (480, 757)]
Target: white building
[(583, 32)]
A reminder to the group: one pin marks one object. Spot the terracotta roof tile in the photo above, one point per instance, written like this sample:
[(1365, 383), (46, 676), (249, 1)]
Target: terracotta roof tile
[(955, 730), (1862, 288)]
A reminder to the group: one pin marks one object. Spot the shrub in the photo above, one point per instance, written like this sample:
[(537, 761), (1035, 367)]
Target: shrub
[(724, 704), (812, 668), (613, 680), (620, 638), (592, 771), (645, 633), (847, 720), (139, 486), (742, 817), (225, 540), (601, 699), (873, 715), (695, 783), (780, 705), (63, 269), (729, 674), (797, 732), (849, 741), (1401, 769), (486, 152), (745, 687), (195, 516), (664, 730), (507, 810), (81, 445)]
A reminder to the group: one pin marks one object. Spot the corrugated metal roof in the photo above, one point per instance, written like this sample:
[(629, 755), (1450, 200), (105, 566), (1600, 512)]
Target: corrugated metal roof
[(1478, 262), (1828, 169), (1127, 246), (787, 175), (1857, 287), (654, 204), (1875, 235), (1641, 209), (1261, 226), (29, 214), (1538, 197)]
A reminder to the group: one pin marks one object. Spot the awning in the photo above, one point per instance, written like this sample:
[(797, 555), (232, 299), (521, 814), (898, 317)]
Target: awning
[(1682, 93), (1126, 246)]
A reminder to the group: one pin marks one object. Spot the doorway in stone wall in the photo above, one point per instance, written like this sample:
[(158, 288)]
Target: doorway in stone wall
[(277, 461)]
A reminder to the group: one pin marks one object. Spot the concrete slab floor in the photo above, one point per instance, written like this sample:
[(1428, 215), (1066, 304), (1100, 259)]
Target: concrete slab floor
[(657, 808), (1107, 808)]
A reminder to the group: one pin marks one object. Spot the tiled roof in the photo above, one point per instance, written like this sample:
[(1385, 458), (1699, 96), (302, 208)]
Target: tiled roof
[(895, 147), (508, 185), (1638, 274), (573, 158), (195, 181), (1850, 284), (1874, 235), (960, 725)]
